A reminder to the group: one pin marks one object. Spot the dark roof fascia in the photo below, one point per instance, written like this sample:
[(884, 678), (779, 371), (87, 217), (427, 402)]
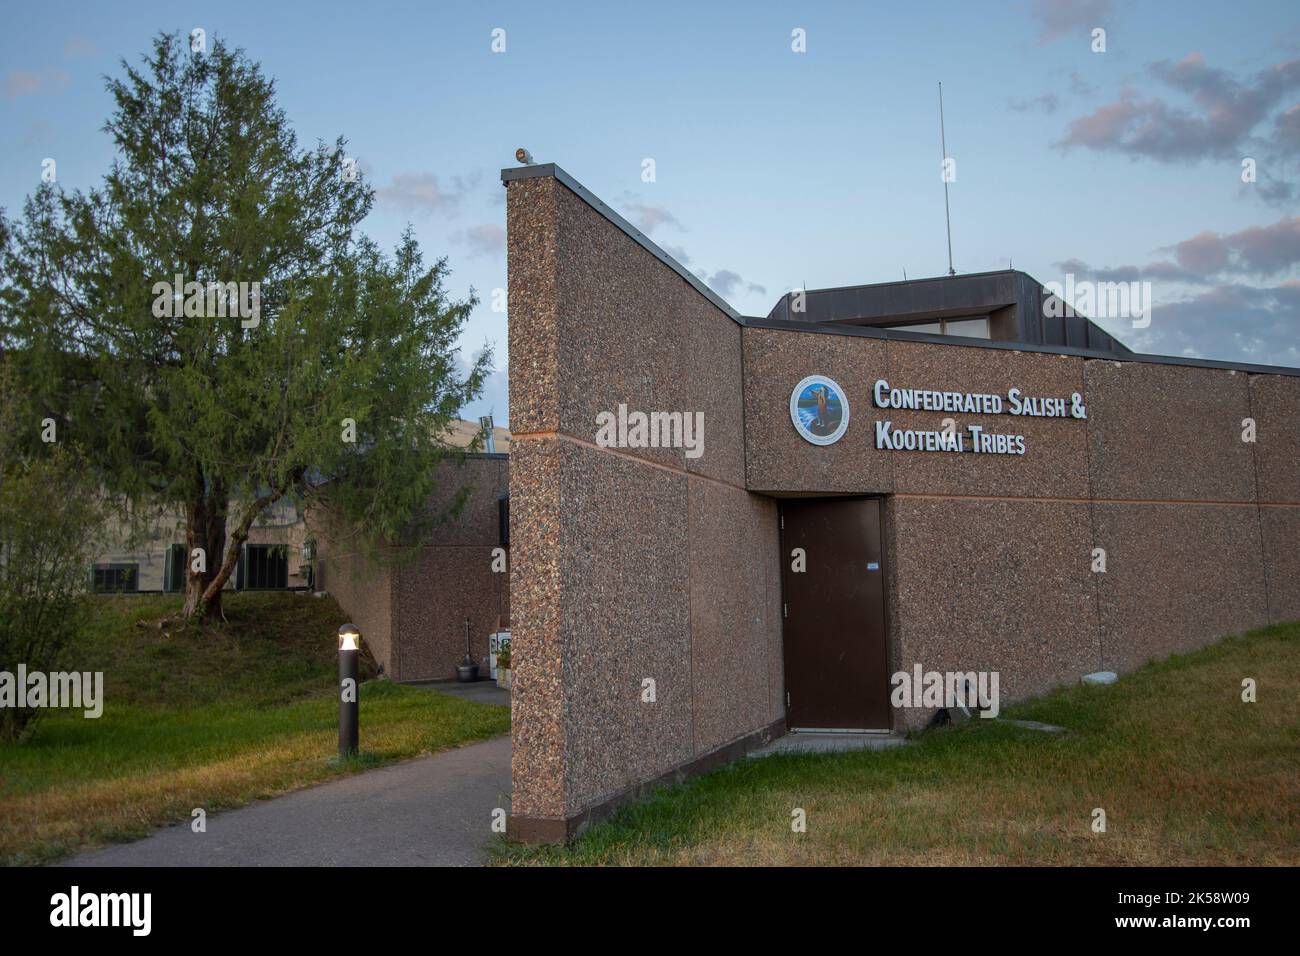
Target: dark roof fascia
[(910, 282), (901, 318), (867, 332), (543, 170)]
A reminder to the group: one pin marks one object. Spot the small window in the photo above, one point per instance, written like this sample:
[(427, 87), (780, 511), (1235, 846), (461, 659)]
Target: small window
[(970, 328), (930, 328), (174, 568), (967, 328), (115, 578)]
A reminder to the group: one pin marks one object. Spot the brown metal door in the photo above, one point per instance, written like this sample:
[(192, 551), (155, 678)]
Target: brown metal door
[(836, 670)]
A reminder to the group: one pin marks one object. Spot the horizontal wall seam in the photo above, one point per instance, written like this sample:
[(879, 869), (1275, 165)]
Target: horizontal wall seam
[(1102, 501), (537, 436), (561, 436)]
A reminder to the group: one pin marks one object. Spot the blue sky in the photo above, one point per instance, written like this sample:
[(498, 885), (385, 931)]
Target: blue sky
[(774, 169)]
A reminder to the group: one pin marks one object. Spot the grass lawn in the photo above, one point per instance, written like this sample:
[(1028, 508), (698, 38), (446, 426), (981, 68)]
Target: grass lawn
[(210, 721), (1187, 773)]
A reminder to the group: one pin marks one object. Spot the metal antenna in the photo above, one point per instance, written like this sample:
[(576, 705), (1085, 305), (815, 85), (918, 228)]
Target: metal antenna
[(943, 144)]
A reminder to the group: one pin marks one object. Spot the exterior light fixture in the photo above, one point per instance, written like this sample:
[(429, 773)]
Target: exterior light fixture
[(349, 707), (523, 156), (349, 638)]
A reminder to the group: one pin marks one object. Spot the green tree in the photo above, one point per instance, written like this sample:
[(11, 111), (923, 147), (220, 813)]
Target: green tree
[(333, 367)]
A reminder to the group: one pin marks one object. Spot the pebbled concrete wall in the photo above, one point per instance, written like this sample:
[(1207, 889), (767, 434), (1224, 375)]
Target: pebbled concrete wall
[(636, 563), (989, 556), (630, 564), (412, 614)]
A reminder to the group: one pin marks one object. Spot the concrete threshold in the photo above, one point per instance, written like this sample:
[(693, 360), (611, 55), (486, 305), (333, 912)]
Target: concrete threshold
[(1036, 725), (829, 743)]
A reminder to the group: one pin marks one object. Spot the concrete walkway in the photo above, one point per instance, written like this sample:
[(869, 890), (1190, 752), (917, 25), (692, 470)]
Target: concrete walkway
[(430, 811), (480, 691)]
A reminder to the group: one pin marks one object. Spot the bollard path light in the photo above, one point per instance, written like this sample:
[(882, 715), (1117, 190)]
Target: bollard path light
[(349, 651)]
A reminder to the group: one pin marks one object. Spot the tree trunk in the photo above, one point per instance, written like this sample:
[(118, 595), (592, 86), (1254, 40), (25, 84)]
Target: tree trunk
[(211, 596), (205, 528)]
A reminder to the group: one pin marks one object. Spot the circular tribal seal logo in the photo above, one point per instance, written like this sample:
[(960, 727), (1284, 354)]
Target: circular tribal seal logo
[(819, 410)]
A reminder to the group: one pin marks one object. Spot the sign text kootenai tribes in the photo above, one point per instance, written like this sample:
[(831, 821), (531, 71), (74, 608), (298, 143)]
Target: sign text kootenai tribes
[(975, 438)]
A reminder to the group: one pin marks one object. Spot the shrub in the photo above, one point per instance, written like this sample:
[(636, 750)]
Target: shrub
[(50, 518)]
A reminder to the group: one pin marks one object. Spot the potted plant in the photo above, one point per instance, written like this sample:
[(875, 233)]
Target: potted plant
[(503, 666)]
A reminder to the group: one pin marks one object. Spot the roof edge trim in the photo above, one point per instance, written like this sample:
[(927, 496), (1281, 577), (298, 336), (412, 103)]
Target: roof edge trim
[(544, 170), (868, 332)]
